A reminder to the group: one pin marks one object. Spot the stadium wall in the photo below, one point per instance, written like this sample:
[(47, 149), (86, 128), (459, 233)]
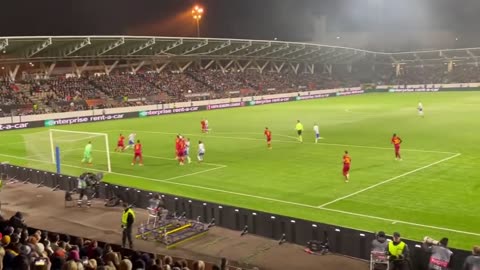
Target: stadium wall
[(98, 115), (344, 241)]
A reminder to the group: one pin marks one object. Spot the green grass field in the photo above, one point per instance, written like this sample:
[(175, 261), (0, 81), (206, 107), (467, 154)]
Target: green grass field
[(434, 191)]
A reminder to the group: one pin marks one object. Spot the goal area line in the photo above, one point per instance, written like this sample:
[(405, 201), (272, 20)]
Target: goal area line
[(171, 182)]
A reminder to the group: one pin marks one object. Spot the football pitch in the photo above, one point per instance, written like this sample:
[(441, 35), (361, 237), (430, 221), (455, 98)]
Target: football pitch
[(433, 191)]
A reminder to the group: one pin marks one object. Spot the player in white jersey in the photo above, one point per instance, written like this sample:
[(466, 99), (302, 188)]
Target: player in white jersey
[(317, 132), (131, 140), (201, 151), (420, 109), (187, 150)]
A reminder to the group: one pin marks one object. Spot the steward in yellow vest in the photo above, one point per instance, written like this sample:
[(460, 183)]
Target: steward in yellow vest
[(397, 252), (128, 217)]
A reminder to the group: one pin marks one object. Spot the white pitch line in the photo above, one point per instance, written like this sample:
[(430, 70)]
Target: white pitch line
[(388, 180), (123, 153), (292, 141), (164, 158), (400, 221), (168, 181)]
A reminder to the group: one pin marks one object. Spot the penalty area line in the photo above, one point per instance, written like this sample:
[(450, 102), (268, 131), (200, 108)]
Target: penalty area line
[(388, 181), (168, 181)]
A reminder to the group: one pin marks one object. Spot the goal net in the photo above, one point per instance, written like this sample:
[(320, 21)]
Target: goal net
[(41, 149)]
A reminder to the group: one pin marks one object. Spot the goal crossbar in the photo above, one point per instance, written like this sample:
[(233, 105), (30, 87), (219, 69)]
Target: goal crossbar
[(105, 135), (78, 132)]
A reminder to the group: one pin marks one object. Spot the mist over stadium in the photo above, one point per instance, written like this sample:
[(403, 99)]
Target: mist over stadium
[(239, 134)]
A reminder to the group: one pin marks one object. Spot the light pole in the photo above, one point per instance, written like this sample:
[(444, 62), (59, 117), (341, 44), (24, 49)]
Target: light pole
[(197, 13)]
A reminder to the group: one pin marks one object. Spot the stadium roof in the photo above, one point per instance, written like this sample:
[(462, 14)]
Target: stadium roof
[(14, 50)]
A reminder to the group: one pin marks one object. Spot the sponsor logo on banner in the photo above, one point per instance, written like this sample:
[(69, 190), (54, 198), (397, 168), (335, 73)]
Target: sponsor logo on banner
[(406, 90), (312, 96), (224, 105), (168, 111), (349, 93), (84, 119), (49, 123), (14, 126), (268, 101)]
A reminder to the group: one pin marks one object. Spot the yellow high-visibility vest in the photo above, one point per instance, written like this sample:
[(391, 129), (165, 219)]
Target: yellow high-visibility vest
[(396, 250), (125, 216)]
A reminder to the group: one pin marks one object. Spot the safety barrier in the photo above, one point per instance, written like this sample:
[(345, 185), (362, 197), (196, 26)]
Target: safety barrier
[(345, 241)]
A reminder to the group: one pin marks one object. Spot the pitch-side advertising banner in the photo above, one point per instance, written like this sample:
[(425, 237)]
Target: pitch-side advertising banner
[(84, 119)]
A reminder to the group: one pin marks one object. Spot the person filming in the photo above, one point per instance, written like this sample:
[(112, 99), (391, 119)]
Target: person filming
[(440, 254)]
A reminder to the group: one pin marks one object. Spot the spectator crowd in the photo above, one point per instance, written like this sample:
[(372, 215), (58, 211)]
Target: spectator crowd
[(147, 87), (22, 248)]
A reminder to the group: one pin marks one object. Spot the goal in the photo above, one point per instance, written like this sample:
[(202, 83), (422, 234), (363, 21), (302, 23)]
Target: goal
[(71, 144)]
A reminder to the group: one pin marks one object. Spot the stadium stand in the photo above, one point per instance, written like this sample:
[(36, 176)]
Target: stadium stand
[(60, 94)]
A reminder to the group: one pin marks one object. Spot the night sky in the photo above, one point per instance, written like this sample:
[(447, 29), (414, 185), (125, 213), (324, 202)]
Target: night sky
[(292, 20)]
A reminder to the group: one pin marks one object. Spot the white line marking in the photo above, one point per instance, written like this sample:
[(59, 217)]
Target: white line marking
[(400, 221), (164, 158), (294, 141), (123, 153), (388, 180), (168, 181)]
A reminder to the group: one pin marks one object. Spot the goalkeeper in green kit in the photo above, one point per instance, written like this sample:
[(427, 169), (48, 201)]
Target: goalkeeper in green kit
[(87, 154)]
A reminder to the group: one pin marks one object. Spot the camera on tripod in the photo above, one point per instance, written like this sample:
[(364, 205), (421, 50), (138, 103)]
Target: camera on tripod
[(88, 187), (92, 180)]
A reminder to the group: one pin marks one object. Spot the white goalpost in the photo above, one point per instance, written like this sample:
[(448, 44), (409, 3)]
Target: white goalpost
[(71, 146)]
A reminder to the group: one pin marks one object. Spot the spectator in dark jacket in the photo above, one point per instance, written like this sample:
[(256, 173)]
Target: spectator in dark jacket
[(472, 262), (379, 244), (17, 221)]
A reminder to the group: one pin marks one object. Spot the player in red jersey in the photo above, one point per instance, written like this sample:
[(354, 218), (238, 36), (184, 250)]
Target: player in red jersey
[(180, 149), (137, 148), (396, 141), (268, 134), (346, 166), (120, 144), (204, 126)]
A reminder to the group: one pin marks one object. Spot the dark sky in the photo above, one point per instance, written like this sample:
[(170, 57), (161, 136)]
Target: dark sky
[(293, 20)]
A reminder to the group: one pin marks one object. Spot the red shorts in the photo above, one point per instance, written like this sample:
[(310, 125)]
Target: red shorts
[(269, 139), (138, 155), (346, 168), (120, 144), (180, 153), (397, 148)]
